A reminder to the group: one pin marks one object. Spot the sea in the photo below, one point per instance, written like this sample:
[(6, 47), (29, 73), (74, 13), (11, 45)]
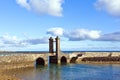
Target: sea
[(71, 72)]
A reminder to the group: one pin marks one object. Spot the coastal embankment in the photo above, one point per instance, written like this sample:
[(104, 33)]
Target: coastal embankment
[(96, 57)]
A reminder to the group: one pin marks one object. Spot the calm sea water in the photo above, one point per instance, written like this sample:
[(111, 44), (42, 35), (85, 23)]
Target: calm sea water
[(72, 72)]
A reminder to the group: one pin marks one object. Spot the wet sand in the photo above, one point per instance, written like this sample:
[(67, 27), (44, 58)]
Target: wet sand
[(9, 71), (14, 74), (4, 76)]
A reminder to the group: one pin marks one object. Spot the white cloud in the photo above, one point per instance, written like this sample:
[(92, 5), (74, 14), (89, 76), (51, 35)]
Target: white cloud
[(73, 35), (50, 7), (36, 41), (7, 41), (13, 41), (24, 4), (115, 36), (110, 6), (55, 31), (82, 34), (94, 34)]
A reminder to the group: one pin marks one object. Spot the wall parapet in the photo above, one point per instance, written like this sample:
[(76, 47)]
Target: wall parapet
[(24, 60)]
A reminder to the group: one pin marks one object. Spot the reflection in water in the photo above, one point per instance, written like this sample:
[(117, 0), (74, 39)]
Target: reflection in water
[(54, 72), (70, 72)]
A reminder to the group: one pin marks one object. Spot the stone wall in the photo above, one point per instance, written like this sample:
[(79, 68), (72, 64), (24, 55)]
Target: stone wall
[(96, 56), (18, 60), (10, 60)]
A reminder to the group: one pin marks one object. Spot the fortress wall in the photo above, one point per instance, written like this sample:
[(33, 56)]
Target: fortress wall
[(21, 57), (114, 54), (17, 60), (113, 57), (95, 54), (102, 54)]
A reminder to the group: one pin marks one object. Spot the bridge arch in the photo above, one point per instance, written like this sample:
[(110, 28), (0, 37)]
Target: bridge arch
[(40, 61), (63, 60), (73, 59)]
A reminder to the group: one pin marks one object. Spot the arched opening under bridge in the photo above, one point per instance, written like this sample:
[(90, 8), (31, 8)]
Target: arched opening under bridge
[(73, 59), (40, 61), (63, 60)]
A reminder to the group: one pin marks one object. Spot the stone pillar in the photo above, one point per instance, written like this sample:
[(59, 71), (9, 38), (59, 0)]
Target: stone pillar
[(51, 47), (55, 58), (57, 46)]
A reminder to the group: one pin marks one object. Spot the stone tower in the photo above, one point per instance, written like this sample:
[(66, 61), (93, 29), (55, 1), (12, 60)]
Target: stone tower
[(51, 45), (57, 46), (54, 58)]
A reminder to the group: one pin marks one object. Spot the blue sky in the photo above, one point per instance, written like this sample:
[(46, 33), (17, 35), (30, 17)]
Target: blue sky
[(81, 24)]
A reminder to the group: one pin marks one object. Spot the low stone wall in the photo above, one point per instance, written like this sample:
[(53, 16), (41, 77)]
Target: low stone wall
[(16, 60), (99, 59), (95, 54), (96, 57), (9, 61)]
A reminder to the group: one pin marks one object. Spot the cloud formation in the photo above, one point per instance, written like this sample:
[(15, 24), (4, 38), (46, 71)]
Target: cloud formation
[(84, 34), (110, 6), (13, 41), (23, 3), (36, 41), (55, 31), (73, 35), (8, 41), (50, 7), (115, 36)]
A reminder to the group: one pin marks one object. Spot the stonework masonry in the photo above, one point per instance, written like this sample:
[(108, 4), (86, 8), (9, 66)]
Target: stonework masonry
[(14, 59), (18, 60)]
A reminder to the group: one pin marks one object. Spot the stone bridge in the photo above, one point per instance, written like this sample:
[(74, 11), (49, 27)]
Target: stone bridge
[(19, 59), (10, 59)]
